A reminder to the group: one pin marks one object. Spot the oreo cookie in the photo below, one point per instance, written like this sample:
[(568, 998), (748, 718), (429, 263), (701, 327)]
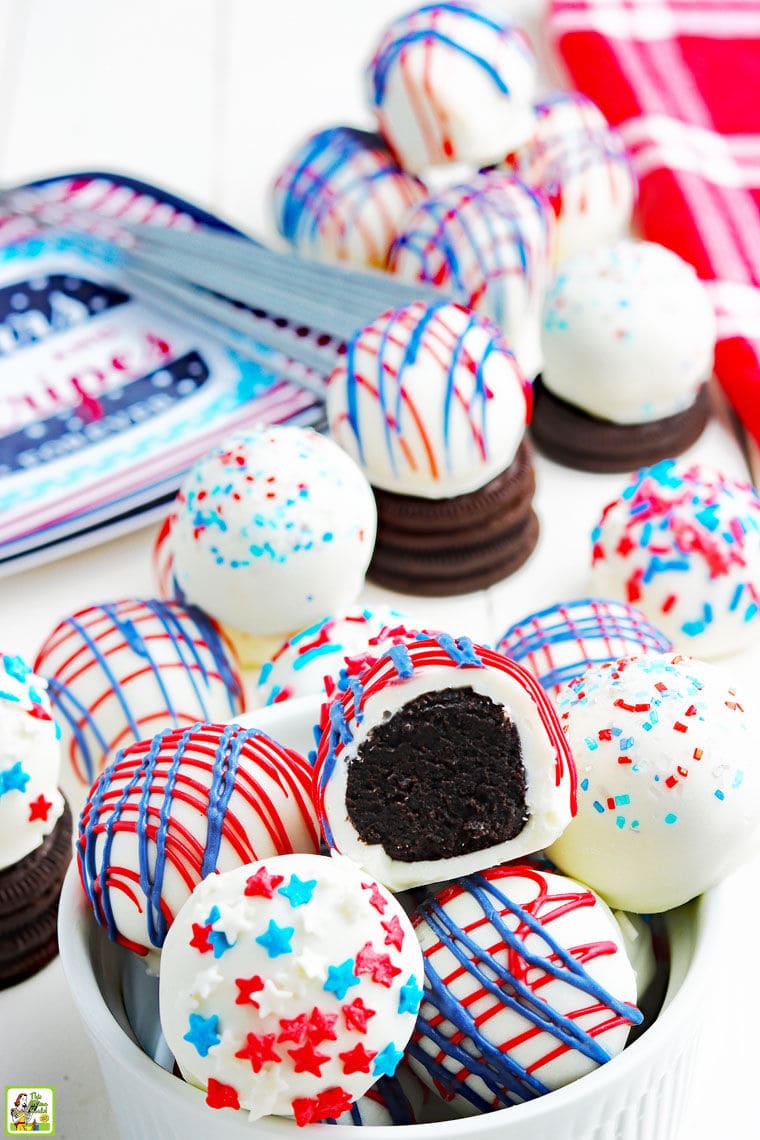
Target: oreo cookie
[(574, 438), (436, 547), (29, 893)]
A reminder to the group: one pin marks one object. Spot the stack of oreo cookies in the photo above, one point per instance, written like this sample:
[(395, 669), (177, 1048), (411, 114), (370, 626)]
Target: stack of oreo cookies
[(29, 892), (35, 824), (457, 544), (432, 404)]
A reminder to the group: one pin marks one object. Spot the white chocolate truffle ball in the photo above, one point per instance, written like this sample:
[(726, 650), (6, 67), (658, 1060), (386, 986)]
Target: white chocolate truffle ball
[(527, 987), (309, 663), (121, 671), (289, 986), (668, 785), (581, 164), (170, 811), (682, 542), (441, 758), (30, 761), (274, 530), (453, 83), (342, 197), (560, 642), (628, 333), (429, 401), (489, 242)]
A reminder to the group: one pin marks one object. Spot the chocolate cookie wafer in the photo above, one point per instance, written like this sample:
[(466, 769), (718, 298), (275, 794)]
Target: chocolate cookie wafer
[(436, 547), (577, 439), (572, 437), (29, 893)]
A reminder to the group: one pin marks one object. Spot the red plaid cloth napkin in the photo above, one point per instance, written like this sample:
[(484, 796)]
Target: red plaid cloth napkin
[(681, 79)]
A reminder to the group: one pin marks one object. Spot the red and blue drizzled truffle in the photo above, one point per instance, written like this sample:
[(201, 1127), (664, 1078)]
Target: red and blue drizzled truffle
[(453, 82), (668, 783), (439, 758), (120, 671), (169, 811), (682, 542), (431, 403), (290, 986), (527, 987), (342, 197), (560, 642), (581, 164), (489, 242)]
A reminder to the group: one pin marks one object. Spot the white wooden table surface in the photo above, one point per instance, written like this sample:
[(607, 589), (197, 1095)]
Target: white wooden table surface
[(207, 97)]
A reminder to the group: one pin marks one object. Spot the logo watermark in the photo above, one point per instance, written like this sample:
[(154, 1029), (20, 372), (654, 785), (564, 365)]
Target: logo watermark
[(29, 1109)]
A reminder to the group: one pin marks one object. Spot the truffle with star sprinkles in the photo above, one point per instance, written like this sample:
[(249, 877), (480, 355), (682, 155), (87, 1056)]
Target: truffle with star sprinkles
[(668, 786), (120, 671), (169, 811), (581, 164), (628, 342), (288, 987), (560, 642), (274, 530), (489, 242), (682, 542), (453, 82), (310, 662), (30, 760), (342, 197), (432, 404), (35, 823), (439, 758), (527, 987)]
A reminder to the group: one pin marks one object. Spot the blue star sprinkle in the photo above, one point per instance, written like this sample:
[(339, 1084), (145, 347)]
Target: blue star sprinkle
[(387, 1061), (410, 996), (341, 978), (217, 938), (14, 779), (276, 939), (202, 1033), (298, 891), (220, 942)]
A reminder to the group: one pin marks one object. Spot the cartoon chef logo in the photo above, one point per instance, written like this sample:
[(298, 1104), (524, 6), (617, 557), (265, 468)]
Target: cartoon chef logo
[(29, 1110)]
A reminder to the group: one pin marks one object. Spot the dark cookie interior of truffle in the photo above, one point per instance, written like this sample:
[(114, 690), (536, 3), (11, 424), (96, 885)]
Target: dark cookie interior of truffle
[(443, 776)]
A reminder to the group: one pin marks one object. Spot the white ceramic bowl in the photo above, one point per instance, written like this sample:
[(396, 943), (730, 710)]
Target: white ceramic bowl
[(637, 1096)]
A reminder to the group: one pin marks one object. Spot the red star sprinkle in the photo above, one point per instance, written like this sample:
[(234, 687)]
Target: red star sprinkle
[(320, 1027), (332, 1102), (308, 1060), (258, 1050), (246, 987), (376, 899), (394, 935), (39, 808), (200, 941), (219, 1095), (262, 884), (356, 1015), (357, 1060), (293, 1029), (328, 1105), (378, 966), (304, 1110)]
